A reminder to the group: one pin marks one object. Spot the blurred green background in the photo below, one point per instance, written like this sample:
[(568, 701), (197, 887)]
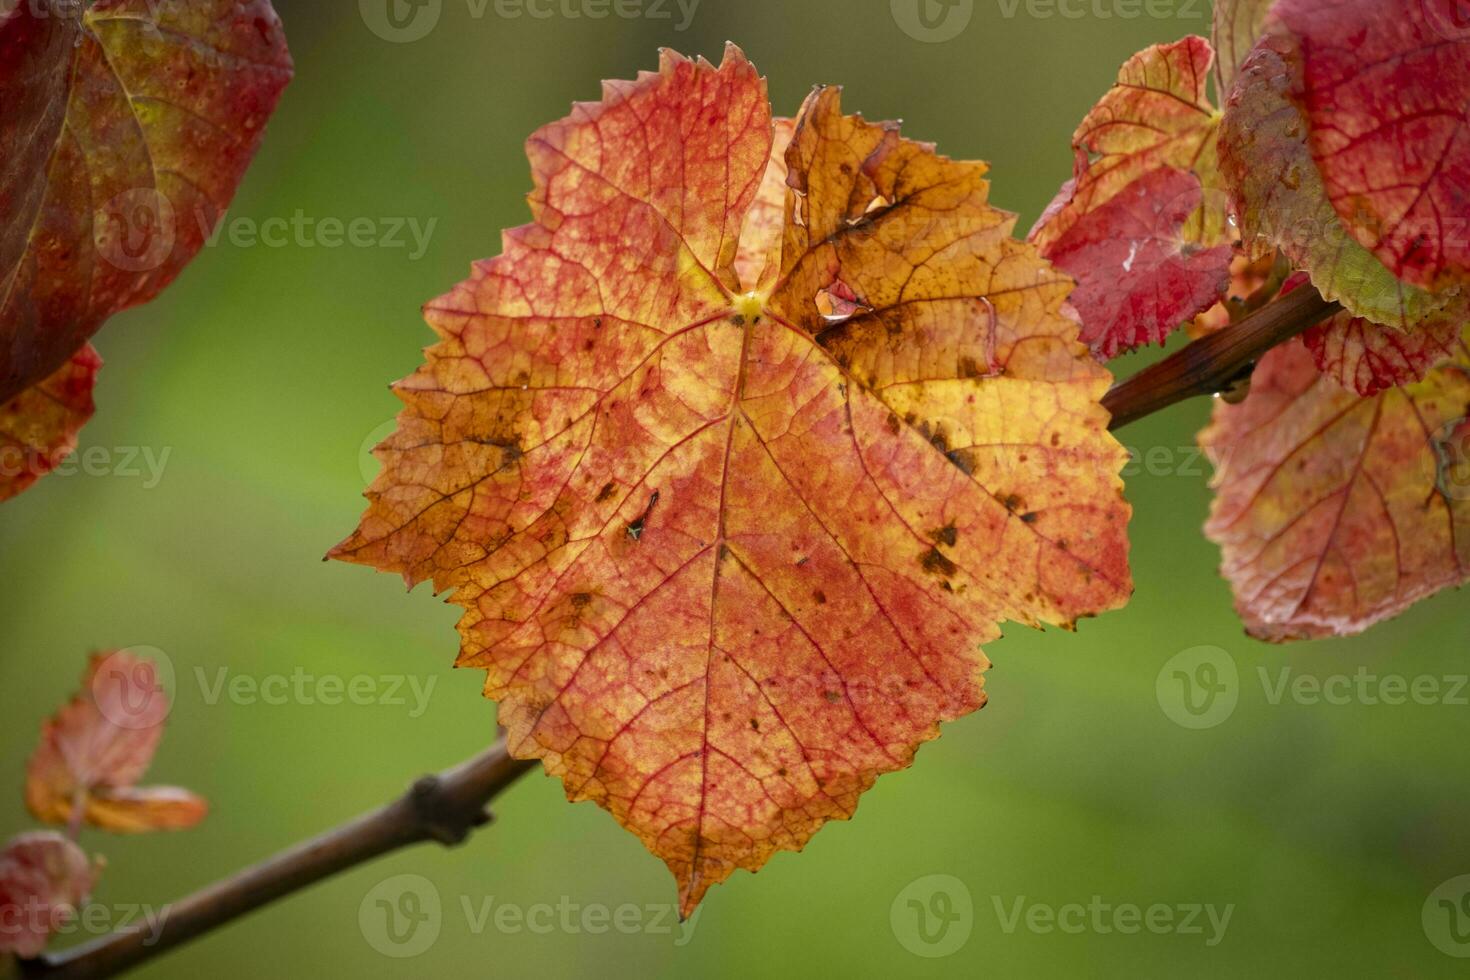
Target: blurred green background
[(263, 375)]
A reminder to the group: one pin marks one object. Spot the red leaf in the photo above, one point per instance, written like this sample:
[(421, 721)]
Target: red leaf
[(1138, 279), (127, 125), (1364, 357), (1334, 512), (44, 877), (1143, 224), (38, 427), (1282, 204), (1157, 116), (1385, 87), (98, 746)]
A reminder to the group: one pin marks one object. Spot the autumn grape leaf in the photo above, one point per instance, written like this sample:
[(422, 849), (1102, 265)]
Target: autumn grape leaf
[(1282, 203), (95, 749), (1385, 87), (1364, 357), (1138, 278), (730, 502), (1158, 115), (1236, 26), (38, 427), (44, 878), (1143, 224), (1335, 511), (127, 126)]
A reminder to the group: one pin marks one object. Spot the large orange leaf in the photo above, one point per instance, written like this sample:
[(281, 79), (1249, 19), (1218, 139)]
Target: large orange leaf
[(730, 502), (96, 748), (1385, 88), (1143, 224), (127, 125), (38, 427), (1334, 511)]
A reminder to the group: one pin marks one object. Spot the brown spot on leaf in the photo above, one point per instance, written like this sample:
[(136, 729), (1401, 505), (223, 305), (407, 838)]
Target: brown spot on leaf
[(963, 460), (936, 564)]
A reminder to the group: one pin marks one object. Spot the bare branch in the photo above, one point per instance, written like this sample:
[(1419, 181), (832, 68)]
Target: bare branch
[(445, 808)]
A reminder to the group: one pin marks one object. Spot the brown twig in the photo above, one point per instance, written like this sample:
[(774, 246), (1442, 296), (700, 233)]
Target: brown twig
[(1216, 362), (448, 807)]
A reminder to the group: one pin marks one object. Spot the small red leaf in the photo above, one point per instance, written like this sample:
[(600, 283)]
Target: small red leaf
[(98, 746), (1158, 115), (39, 426), (44, 877), (1364, 357), (1138, 279)]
